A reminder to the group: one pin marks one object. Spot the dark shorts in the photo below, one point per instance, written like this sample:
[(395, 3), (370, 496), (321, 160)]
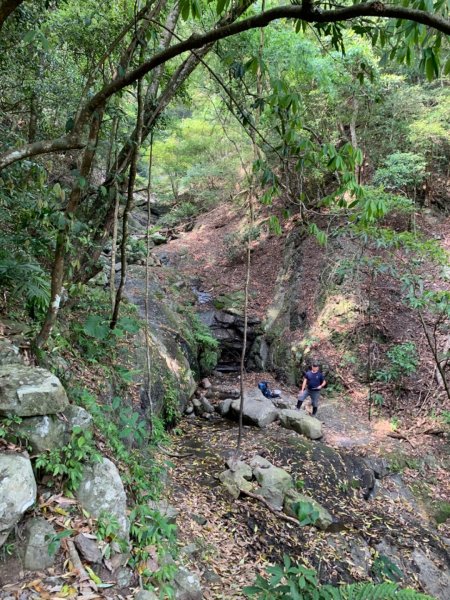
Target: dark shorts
[(313, 394)]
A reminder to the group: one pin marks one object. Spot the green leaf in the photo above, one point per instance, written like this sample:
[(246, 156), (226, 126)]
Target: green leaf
[(96, 327)]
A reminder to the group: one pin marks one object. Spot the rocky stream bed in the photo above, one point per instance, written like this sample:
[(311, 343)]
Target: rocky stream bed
[(376, 523)]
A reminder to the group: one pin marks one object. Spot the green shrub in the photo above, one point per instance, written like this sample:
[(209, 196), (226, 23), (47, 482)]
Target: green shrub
[(296, 582), (403, 362), (66, 464), (402, 171)]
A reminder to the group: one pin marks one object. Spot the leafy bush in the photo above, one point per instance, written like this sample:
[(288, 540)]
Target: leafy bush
[(66, 463), (180, 213), (402, 171), (403, 362), (296, 582), (236, 242), (26, 281), (307, 513)]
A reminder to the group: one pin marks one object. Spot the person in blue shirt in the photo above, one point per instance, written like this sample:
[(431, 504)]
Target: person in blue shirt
[(313, 382)]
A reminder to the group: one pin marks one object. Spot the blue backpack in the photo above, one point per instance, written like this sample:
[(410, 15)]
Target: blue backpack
[(264, 387)]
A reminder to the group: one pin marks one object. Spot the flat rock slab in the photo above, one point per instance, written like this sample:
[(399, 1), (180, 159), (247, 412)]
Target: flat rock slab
[(17, 491), (258, 410), (30, 391), (302, 423)]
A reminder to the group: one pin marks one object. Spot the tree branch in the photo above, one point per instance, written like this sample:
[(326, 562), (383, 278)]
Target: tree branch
[(6, 8), (348, 13)]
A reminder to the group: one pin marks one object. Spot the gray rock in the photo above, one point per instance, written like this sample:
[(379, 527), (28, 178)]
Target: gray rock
[(9, 354), (324, 519), (257, 410), (302, 423), (101, 491), (187, 585), (206, 405), (17, 491), (78, 417), (49, 432), (234, 482), (260, 462), (169, 512), (354, 546), (274, 482), (434, 579), (240, 468), (206, 384), (88, 548), (37, 537), (200, 519), (282, 403), (379, 466), (42, 433), (189, 409), (146, 595), (198, 408), (223, 408), (30, 391), (123, 576)]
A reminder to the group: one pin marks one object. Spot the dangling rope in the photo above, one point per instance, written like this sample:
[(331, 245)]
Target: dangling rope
[(147, 289)]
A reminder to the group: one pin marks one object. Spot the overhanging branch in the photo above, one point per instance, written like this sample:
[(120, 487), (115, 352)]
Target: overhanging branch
[(348, 13)]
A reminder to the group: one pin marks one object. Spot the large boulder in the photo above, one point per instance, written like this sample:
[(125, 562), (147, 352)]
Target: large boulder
[(257, 410), (302, 423), (17, 491), (274, 482), (49, 431), (323, 520), (37, 537), (29, 391), (101, 491)]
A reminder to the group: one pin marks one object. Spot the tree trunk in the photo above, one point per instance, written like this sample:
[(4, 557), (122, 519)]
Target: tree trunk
[(6, 8), (128, 208)]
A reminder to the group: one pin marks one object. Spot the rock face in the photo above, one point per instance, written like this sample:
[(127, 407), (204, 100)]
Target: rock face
[(171, 356), (37, 535), (227, 326), (258, 410), (302, 423), (17, 491), (29, 391), (42, 433), (101, 491)]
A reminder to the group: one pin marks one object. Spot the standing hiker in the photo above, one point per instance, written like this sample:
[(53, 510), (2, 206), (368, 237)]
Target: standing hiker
[(313, 382)]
